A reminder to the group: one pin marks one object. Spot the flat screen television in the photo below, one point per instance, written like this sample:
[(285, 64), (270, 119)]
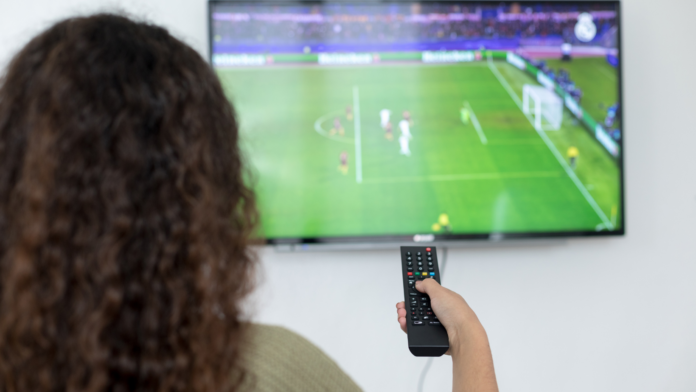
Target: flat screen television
[(369, 122)]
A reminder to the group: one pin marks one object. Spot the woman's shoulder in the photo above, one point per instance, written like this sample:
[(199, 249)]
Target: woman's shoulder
[(277, 359)]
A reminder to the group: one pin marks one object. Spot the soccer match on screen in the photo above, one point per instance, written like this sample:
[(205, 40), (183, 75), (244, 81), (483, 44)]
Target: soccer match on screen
[(428, 118)]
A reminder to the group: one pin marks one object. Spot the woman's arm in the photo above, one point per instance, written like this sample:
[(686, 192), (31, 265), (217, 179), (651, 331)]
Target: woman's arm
[(472, 362)]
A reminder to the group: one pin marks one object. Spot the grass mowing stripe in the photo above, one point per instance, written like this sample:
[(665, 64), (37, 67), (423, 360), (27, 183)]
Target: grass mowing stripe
[(465, 177), (356, 124), (553, 149), (476, 123)]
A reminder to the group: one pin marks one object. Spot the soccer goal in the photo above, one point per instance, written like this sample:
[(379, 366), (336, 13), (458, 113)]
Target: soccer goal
[(545, 107)]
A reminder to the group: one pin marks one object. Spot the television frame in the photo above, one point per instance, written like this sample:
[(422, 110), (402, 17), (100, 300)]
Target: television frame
[(378, 241)]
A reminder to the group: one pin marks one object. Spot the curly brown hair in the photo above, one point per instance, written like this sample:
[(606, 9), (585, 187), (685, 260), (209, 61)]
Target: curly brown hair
[(125, 214)]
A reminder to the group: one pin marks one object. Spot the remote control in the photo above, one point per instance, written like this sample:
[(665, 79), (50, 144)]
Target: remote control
[(426, 336)]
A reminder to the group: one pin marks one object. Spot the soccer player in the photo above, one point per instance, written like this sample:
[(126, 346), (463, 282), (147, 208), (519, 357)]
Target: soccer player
[(465, 115), (403, 141), (343, 167), (384, 117), (573, 155), (407, 116), (388, 133), (349, 113), (443, 223), (405, 129), (337, 128)]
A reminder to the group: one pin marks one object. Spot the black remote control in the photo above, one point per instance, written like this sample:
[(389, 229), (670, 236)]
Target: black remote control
[(426, 336)]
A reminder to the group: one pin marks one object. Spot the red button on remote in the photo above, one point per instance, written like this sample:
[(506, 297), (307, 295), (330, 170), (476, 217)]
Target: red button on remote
[(410, 273), (427, 249)]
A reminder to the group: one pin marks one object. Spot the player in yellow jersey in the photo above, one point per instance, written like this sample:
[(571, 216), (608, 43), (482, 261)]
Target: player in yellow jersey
[(349, 113), (343, 167), (573, 155), (443, 223), (337, 128), (388, 132)]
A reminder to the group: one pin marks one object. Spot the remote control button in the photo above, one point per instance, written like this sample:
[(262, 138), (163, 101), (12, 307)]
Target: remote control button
[(424, 298), (429, 313), (409, 273), (418, 254), (418, 323), (430, 264), (413, 294), (420, 263), (409, 268), (425, 273), (430, 258), (409, 258), (426, 317), (414, 317), (411, 282), (420, 268), (428, 249), (434, 323), (432, 273)]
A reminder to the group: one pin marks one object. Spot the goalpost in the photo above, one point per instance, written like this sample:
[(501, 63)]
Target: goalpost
[(547, 110)]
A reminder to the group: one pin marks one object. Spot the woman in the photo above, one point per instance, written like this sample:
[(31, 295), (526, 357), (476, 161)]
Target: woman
[(125, 224)]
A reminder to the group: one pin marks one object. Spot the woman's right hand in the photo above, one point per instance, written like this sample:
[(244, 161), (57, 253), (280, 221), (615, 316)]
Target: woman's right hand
[(471, 354), (452, 311)]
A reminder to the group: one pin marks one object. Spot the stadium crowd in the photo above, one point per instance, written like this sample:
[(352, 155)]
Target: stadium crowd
[(455, 24)]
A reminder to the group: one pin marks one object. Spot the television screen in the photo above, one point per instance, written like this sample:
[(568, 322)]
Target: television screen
[(426, 121)]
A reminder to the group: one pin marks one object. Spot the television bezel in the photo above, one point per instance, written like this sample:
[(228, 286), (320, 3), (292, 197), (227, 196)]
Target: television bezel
[(293, 243)]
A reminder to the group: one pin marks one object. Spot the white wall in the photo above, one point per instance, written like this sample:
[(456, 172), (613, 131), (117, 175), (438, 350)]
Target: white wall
[(582, 315)]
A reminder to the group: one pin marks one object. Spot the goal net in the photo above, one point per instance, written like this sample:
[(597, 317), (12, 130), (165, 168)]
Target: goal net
[(545, 107)]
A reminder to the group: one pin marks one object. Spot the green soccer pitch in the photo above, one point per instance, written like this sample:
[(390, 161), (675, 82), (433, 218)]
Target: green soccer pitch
[(496, 174)]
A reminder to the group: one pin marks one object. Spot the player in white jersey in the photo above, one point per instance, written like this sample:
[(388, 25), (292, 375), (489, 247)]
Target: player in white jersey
[(384, 116), (405, 128), (403, 141)]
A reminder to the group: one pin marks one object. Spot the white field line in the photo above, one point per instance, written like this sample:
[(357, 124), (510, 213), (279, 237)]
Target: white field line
[(466, 177), (552, 147), (322, 132), (476, 123), (358, 147)]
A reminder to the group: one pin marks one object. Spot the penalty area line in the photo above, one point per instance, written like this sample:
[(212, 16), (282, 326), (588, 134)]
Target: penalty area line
[(552, 147), (476, 123), (356, 124)]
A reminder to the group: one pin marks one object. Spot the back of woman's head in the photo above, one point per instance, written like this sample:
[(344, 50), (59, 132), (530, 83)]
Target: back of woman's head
[(124, 216)]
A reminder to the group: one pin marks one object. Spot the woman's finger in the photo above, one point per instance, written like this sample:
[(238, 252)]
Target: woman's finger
[(401, 313)]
